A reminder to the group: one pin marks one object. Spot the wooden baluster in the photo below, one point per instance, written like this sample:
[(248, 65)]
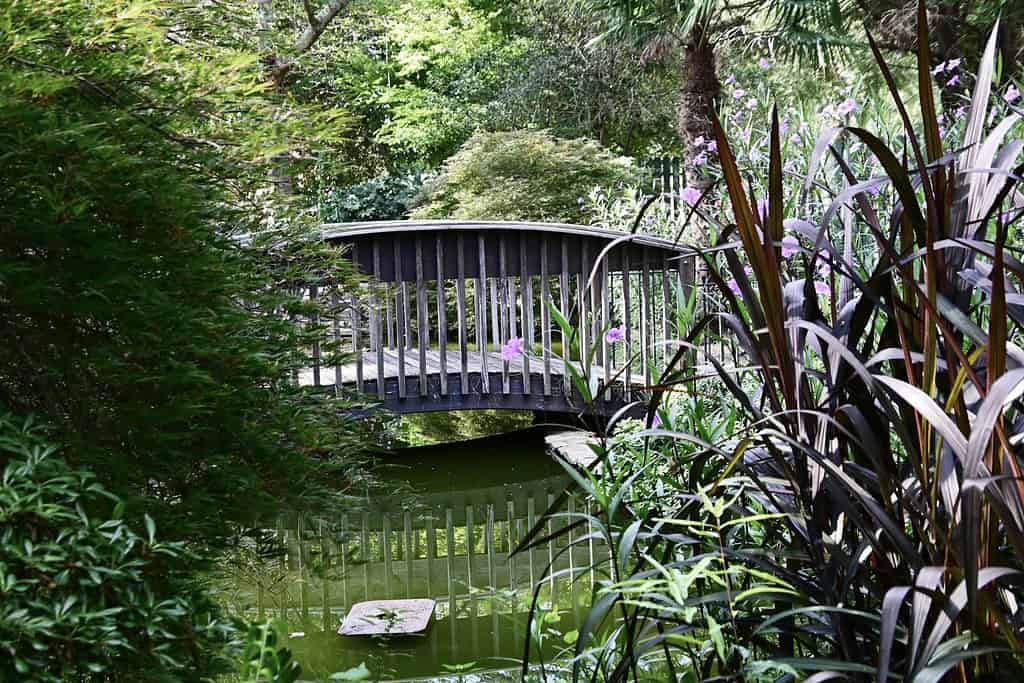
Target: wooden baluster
[(481, 316), (423, 331), (357, 344), (606, 362), (313, 294), (336, 329), (581, 298), (545, 313), (526, 291), (401, 310), (627, 315), (460, 294), (645, 315), (377, 320), (504, 314), (442, 316), (667, 311), (563, 294)]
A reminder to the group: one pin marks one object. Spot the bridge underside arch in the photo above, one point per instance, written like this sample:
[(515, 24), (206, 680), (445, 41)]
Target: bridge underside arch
[(426, 331)]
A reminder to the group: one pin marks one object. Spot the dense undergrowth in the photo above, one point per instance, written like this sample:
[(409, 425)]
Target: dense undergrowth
[(860, 515)]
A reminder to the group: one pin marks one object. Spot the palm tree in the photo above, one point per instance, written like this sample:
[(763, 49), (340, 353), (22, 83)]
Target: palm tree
[(689, 31)]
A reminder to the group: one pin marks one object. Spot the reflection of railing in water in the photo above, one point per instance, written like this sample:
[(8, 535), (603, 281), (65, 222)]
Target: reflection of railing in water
[(453, 547)]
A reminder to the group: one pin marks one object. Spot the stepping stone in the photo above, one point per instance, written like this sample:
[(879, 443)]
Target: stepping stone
[(388, 617)]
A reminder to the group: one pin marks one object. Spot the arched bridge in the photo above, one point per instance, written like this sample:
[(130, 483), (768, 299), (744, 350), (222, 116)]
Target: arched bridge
[(426, 333)]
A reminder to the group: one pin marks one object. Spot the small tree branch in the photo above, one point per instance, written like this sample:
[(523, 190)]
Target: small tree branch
[(318, 23), (310, 12)]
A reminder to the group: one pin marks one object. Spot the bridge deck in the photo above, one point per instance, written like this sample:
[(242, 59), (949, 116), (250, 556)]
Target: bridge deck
[(507, 388)]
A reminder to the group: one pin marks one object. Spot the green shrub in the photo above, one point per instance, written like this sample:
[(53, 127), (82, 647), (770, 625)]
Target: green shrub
[(158, 348), (522, 175), (83, 596), (386, 197)]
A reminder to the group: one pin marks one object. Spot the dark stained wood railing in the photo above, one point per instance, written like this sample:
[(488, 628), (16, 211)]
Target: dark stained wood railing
[(444, 296)]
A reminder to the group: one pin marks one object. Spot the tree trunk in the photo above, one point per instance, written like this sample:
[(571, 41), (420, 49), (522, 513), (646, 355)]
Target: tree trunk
[(698, 97)]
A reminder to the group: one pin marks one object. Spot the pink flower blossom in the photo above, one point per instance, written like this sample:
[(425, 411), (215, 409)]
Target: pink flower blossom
[(690, 195), (822, 288), (795, 138), (823, 268), (847, 106), (698, 141), (738, 93), (616, 334), (790, 246), (513, 348), (1012, 94), (712, 146), (700, 159), (764, 63)]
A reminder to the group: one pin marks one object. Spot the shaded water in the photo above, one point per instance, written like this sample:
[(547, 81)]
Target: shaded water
[(449, 539)]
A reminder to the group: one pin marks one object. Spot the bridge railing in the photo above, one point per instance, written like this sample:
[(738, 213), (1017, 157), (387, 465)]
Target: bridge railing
[(445, 297)]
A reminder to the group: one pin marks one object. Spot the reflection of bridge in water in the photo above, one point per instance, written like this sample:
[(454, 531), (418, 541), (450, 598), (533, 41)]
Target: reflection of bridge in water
[(447, 294), (450, 546)]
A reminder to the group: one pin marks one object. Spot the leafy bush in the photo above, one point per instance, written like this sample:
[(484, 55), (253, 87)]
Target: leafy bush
[(385, 197), (863, 519), (521, 175), (156, 345), (83, 596)]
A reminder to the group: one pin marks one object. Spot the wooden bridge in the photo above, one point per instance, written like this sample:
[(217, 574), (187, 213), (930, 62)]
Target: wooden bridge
[(426, 333)]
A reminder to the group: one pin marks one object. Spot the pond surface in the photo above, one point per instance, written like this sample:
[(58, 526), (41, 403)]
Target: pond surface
[(448, 537)]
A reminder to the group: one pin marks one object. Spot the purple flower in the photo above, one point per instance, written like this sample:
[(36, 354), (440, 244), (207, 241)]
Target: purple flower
[(698, 141), (847, 106), (734, 287), (700, 159), (764, 63), (960, 111), (955, 80), (690, 195), (784, 126), (823, 268), (738, 93), (655, 422), (790, 246), (822, 288), (762, 209), (616, 334), (730, 79), (795, 138), (1012, 94), (942, 131), (953, 63), (751, 103), (712, 146), (513, 348)]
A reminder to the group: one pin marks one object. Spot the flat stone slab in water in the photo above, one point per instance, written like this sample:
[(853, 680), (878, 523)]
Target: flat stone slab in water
[(388, 617)]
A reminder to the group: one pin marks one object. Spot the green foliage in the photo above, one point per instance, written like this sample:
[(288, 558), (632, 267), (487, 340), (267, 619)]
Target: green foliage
[(382, 198), (263, 661), (157, 344), (522, 175), (861, 520), (83, 596)]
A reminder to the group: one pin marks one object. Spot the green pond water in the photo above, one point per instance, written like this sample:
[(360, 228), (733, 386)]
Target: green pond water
[(448, 537)]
